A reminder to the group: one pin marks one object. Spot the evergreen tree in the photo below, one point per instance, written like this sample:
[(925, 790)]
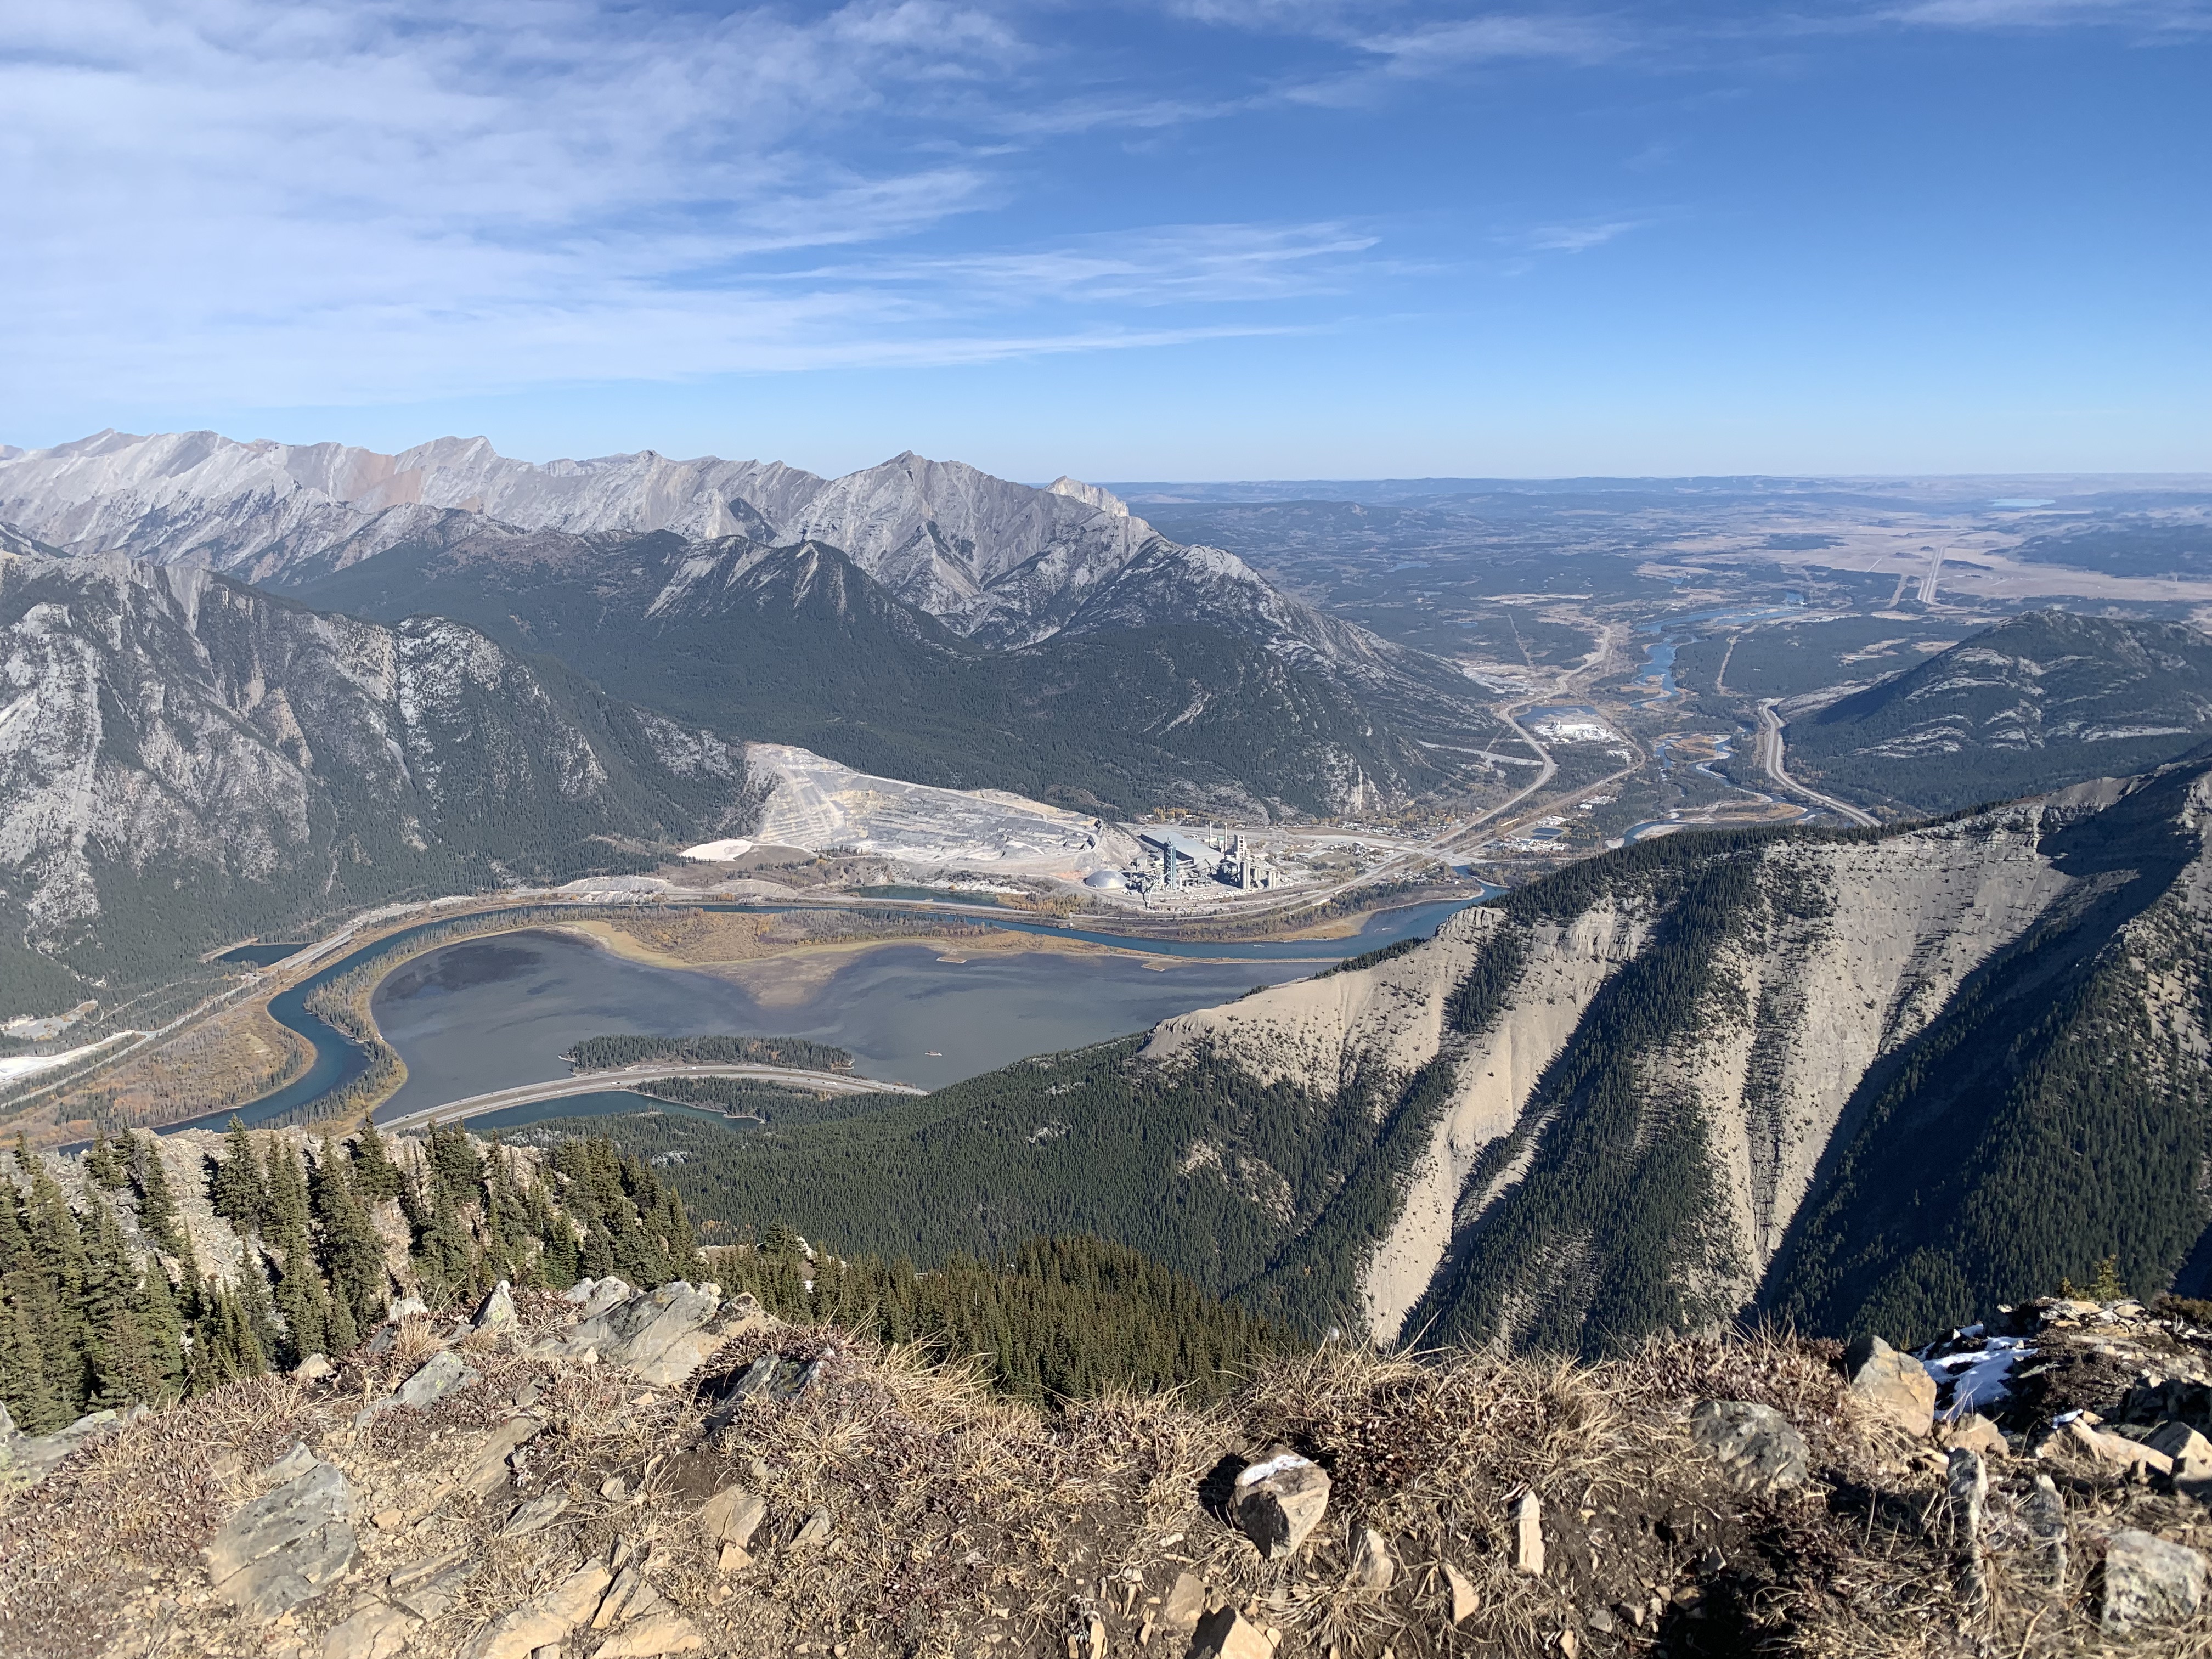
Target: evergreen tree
[(302, 1303), (376, 1176), (598, 1251), (238, 1189), (28, 1391), (558, 1259), (256, 1304), (101, 1166), (349, 1247), (157, 1205), (120, 1364), (224, 1346), (285, 1217), (52, 1294), (163, 1321), (455, 1166)]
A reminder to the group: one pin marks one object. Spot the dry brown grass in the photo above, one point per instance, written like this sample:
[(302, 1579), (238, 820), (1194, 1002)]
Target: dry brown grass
[(963, 1523)]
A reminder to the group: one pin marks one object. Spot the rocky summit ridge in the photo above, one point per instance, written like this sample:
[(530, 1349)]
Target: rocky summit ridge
[(616, 1473), (999, 561)]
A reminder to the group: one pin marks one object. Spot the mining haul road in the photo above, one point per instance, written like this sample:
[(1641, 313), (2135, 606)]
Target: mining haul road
[(629, 1077)]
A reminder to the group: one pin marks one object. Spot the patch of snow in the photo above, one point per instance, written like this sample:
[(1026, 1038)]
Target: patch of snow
[(1978, 1377)]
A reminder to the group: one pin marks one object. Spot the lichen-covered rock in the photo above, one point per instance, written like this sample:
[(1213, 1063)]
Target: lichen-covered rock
[(34, 1455), (487, 1473), (441, 1374), (663, 1336), (593, 1297), (286, 1545), (1892, 1385), (496, 1312), (1758, 1448), (2149, 1582), (1279, 1500)]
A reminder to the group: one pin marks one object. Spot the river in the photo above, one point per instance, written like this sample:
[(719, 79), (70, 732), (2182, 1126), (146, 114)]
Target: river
[(493, 1012)]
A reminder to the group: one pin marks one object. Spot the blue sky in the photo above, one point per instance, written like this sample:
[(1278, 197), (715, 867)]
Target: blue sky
[(1203, 239)]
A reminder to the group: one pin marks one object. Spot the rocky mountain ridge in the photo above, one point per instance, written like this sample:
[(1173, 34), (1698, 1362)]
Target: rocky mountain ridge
[(979, 629), (182, 756), (1822, 1076), (1868, 1079), (2042, 701), (999, 561), (1245, 700)]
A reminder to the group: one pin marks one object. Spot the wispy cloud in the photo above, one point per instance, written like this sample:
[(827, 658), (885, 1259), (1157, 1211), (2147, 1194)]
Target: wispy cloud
[(1570, 238), (1176, 265), (331, 201), (2154, 16)]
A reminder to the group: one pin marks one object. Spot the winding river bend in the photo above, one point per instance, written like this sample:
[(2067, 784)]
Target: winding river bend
[(494, 1011)]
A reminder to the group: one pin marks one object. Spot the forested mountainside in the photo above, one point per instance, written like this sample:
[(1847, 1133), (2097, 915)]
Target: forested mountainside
[(799, 645), (185, 760), (2043, 700), (1859, 1080), (150, 1268), (918, 618)]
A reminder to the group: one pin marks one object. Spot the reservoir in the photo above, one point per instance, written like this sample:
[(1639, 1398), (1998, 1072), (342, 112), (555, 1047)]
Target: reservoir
[(487, 1013), (491, 1012)]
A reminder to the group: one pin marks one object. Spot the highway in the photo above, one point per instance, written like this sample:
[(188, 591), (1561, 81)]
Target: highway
[(1771, 761), (630, 1076)]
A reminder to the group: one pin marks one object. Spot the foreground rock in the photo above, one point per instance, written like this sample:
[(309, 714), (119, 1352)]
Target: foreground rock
[(1759, 1447), (30, 1457), (1279, 1500), (2149, 1581), (1894, 1386), (285, 1545), (440, 1375), (545, 1619), (664, 1335)]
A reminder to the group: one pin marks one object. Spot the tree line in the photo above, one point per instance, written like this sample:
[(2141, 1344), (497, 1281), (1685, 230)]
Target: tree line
[(604, 1054)]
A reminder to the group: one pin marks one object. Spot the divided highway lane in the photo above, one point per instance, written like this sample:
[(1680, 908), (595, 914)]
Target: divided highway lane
[(630, 1076), (1772, 761)]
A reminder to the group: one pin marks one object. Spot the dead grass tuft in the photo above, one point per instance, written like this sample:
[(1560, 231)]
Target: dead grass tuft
[(964, 1523)]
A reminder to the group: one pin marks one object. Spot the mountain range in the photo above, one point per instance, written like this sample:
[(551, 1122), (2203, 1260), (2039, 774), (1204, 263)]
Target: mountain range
[(1854, 1080), (185, 759), (987, 633)]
